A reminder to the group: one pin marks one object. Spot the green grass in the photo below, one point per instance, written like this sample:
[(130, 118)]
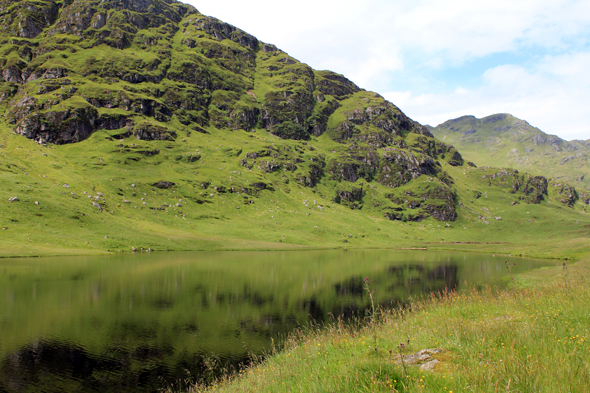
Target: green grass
[(290, 216), (531, 337)]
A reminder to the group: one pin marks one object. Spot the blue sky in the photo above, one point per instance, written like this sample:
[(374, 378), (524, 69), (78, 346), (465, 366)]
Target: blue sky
[(441, 59)]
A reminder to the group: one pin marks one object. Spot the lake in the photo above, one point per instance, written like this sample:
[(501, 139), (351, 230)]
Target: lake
[(129, 323)]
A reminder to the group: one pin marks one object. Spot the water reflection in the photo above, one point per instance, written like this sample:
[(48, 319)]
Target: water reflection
[(126, 323)]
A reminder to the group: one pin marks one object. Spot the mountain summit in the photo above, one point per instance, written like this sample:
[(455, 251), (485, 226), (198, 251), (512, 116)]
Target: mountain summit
[(504, 140)]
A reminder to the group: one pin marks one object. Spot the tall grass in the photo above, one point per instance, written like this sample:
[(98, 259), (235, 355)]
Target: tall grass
[(522, 339)]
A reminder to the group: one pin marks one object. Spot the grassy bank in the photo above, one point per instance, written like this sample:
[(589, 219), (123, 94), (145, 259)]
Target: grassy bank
[(530, 337)]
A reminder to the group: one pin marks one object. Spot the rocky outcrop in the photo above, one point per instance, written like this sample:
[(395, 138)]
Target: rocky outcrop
[(535, 188), (223, 31), (207, 80), (398, 167), (290, 130), (437, 201), (27, 19), (152, 132), (333, 84), (72, 125), (324, 108), (141, 106), (113, 121), (352, 197), (294, 106), (163, 184), (566, 193), (531, 189)]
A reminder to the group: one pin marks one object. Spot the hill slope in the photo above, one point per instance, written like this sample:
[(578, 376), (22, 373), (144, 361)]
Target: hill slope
[(504, 140), (147, 124)]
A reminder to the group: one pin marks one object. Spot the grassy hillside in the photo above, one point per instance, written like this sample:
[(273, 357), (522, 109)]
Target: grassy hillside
[(59, 188), (149, 125), (503, 140)]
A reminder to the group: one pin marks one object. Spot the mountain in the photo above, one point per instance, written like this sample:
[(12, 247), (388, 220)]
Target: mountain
[(504, 140), (146, 124)]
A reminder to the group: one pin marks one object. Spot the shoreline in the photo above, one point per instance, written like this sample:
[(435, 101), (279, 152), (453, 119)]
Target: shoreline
[(480, 336)]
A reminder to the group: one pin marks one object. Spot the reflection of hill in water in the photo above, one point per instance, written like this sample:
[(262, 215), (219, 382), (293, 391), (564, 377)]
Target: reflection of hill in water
[(392, 288), (135, 353), (104, 324), (52, 366)]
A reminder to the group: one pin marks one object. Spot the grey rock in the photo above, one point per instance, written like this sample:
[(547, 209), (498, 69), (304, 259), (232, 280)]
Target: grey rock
[(419, 357)]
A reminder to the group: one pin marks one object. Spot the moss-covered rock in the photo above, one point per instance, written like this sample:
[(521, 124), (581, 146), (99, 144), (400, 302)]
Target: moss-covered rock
[(153, 132)]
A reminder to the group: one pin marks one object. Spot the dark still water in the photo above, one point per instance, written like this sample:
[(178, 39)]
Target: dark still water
[(129, 323)]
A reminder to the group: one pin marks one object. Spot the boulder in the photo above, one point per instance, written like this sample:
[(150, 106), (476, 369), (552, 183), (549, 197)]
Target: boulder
[(152, 132), (164, 184)]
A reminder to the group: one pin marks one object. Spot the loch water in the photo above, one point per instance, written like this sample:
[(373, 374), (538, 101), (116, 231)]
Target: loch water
[(135, 322)]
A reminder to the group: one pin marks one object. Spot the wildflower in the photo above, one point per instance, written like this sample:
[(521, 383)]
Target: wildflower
[(368, 281)]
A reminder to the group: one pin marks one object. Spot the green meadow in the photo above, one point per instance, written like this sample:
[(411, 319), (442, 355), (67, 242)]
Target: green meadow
[(56, 187)]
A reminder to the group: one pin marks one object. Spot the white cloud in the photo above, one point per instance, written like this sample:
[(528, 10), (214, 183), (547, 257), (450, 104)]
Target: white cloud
[(553, 96)]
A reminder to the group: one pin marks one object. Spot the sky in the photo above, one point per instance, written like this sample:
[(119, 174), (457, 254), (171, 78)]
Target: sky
[(440, 59)]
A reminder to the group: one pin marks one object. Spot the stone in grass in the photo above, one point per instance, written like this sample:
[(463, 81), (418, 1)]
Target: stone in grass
[(13, 199), (419, 357), (163, 184), (429, 366)]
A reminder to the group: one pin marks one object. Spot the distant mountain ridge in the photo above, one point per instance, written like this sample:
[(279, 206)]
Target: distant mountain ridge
[(506, 141)]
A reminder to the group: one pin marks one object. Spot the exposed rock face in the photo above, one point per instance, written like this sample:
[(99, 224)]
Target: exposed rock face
[(401, 166), (330, 83), (59, 127), (149, 132), (531, 189), (352, 197), (437, 201), (157, 69), (566, 194), (223, 31)]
